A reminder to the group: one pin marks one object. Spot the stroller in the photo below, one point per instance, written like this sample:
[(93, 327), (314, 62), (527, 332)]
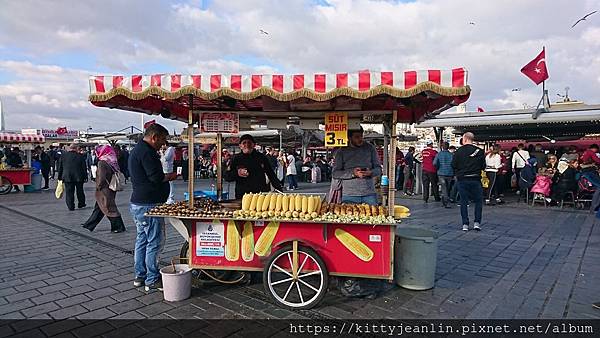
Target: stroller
[(585, 192), (526, 179)]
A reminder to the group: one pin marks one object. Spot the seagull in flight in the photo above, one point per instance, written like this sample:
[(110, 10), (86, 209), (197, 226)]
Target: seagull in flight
[(515, 90), (583, 19), (264, 32), (471, 23)]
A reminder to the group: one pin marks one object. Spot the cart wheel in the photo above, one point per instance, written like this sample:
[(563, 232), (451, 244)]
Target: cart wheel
[(309, 287), (197, 275), (6, 186)]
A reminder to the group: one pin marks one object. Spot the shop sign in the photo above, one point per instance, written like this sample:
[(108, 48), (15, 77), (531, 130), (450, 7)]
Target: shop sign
[(336, 129), (220, 122)]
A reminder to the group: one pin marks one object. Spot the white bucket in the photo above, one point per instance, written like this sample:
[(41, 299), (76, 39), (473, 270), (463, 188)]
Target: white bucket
[(177, 285)]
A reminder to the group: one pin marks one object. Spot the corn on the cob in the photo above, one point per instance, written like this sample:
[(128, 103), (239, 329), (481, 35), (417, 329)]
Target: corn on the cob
[(253, 202), (311, 204), (298, 203), (259, 202), (266, 202), (247, 242), (232, 246), (304, 204), (278, 201), (292, 203), (356, 246), (263, 244), (246, 202), (285, 202)]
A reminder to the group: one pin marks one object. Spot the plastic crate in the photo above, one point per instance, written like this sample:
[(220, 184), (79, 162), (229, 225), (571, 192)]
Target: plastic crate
[(207, 193)]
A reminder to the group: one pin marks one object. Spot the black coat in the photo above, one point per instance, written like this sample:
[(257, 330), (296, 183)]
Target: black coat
[(72, 167), (258, 166)]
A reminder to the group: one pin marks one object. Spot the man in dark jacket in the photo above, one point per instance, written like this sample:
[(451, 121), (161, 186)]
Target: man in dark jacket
[(248, 169), (73, 172), (46, 164), (468, 162), (150, 188)]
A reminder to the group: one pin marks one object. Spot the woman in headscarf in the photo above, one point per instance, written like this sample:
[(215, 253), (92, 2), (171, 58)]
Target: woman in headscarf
[(105, 197)]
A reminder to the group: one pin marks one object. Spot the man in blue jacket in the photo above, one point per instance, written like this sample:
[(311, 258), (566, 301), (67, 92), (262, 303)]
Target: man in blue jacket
[(150, 188), (443, 163)]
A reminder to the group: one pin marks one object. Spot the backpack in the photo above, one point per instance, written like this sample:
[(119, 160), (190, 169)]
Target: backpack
[(117, 182)]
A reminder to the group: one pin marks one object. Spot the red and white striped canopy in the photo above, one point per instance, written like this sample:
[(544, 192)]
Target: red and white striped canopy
[(412, 93), (318, 83), (21, 138)]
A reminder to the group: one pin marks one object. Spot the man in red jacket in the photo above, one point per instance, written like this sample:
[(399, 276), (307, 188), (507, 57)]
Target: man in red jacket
[(430, 173)]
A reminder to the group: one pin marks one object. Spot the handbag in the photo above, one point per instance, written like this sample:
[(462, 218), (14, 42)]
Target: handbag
[(117, 182), (513, 181), (485, 181), (60, 189)]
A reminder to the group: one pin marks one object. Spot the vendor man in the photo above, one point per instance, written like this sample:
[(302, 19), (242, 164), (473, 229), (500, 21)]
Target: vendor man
[(357, 165), (248, 169)]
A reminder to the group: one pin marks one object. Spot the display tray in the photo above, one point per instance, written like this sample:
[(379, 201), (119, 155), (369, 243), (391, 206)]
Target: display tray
[(317, 222), (17, 169)]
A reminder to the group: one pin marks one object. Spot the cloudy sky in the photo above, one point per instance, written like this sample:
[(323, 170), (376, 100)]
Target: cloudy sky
[(49, 48)]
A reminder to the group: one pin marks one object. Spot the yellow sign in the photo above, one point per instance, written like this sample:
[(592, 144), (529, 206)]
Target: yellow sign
[(336, 129)]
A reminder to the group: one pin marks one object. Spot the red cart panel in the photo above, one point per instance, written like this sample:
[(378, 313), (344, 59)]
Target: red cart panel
[(357, 250)]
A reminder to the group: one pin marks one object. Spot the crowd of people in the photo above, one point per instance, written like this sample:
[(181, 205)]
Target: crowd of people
[(549, 174)]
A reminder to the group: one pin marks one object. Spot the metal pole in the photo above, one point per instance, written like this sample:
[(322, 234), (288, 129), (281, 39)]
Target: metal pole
[(386, 144), (219, 165), (392, 167), (190, 132), (280, 141)]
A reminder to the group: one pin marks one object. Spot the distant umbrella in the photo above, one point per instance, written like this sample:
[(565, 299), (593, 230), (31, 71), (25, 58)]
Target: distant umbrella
[(583, 19)]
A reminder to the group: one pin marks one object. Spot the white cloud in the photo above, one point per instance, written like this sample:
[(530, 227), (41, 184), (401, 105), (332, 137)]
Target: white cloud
[(348, 35)]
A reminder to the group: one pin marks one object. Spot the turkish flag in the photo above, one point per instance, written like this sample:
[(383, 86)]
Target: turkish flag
[(480, 110), (149, 123), (536, 68), (61, 130)]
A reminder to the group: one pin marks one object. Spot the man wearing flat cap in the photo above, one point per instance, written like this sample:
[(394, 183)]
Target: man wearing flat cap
[(248, 169)]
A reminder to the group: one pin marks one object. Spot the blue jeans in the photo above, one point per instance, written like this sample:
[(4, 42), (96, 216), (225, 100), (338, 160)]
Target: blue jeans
[(292, 183), (470, 190), (147, 243), (368, 199)]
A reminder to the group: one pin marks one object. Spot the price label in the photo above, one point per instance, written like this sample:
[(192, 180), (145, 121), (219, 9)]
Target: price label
[(219, 122), (336, 129)]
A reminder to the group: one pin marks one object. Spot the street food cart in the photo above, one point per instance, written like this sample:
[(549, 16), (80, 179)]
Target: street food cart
[(295, 251), (17, 176)]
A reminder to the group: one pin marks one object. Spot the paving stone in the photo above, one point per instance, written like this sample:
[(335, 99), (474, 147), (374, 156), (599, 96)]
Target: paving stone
[(99, 303), (40, 309), (22, 295), (15, 306), (154, 309), (126, 306), (30, 286), (78, 299), (126, 295), (93, 329), (68, 312), (59, 327), (81, 281), (102, 313)]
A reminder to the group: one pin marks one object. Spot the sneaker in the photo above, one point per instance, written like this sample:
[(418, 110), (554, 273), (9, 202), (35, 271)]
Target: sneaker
[(156, 286), (138, 282), (477, 226), (548, 199), (465, 227), (487, 202)]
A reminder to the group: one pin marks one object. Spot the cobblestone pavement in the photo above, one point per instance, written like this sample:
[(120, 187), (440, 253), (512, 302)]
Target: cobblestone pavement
[(526, 263)]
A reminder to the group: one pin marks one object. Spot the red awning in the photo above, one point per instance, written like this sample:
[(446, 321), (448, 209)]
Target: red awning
[(414, 94), (21, 138)]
